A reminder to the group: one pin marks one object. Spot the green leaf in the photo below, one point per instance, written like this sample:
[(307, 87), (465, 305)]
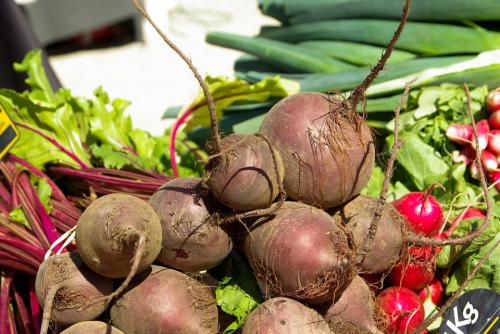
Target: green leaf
[(374, 183), (420, 160), (18, 215), (233, 300), (44, 192), (227, 92), (41, 90)]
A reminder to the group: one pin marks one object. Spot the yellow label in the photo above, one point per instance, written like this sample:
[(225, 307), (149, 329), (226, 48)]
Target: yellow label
[(8, 133)]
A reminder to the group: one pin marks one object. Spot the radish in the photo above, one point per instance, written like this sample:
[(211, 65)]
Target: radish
[(357, 215), (493, 100), (489, 161), (66, 289), (468, 213), (459, 133), (117, 236), (92, 327), (494, 120), (494, 142), (284, 316), (248, 175), (493, 177), (161, 300), (193, 240), (474, 171), (422, 211), (354, 311), (301, 252), (413, 274), (436, 289), (482, 134), (403, 309), (466, 155)]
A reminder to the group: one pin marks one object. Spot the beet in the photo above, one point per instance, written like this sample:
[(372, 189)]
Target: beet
[(65, 288), (300, 253), (386, 248), (328, 151), (161, 300), (354, 311), (192, 240), (284, 316), (109, 230), (92, 327), (244, 177)]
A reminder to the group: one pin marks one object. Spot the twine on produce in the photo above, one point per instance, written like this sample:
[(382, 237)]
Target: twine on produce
[(66, 238)]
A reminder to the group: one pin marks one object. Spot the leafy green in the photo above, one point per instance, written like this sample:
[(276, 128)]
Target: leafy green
[(18, 215), (227, 92), (235, 301)]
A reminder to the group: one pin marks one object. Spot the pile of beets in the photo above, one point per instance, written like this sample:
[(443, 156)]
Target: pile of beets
[(287, 200)]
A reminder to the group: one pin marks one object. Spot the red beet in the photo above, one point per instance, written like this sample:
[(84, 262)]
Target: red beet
[(493, 100), (328, 151), (422, 211), (300, 253), (436, 289), (91, 327), (403, 308), (245, 176), (459, 133), (193, 240), (412, 275)]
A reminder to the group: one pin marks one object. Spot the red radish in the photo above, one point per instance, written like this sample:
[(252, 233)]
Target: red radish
[(466, 155), (436, 289), (493, 100), (468, 213), (495, 177), (494, 142), (403, 308), (422, 211), (459, 133), (474, 171), (482, 134), (489, 161), (412, 275), (495, 120)]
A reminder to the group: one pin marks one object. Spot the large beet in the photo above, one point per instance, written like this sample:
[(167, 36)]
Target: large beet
[(191, 241), (327, 150), (245, 176), (91, 327), (354, 311), (66, 288), (357, 215), (161, 300), (300, 253), (284, 316)]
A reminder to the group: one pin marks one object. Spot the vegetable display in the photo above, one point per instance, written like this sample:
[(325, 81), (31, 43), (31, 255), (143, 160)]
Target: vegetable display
[(303, 220)]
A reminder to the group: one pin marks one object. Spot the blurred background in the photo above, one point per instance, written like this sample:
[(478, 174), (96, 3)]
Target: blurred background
[(104, 42)]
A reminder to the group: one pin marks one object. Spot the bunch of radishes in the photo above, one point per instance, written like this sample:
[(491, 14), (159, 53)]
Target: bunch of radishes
[(488, 131)]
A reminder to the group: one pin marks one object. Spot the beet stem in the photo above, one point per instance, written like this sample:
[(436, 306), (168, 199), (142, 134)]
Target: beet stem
[(211, 105), (4, 302), (24, 319), (420, 240), (389, 170), (34, 307), (359, 91)]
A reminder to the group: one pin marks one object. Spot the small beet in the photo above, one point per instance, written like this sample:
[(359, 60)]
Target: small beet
[(192, 239), (284, 316), (327, 149), (300, 253), (354, 311), (386, 248), (92, 327), (66, 288), (161, 300), (244, 177)]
